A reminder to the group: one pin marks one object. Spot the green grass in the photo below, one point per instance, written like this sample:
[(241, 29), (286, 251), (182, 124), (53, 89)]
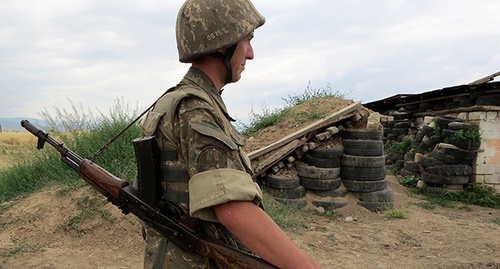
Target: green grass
[(286, 216), (271, 117), (86, 134), (89, 207), (397, 214), (474, 194)]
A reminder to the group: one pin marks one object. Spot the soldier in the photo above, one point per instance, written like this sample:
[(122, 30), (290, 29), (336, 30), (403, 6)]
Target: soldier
[(210, 176)]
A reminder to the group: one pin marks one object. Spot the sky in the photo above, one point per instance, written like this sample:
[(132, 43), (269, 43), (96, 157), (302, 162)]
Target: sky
[(89, 54)]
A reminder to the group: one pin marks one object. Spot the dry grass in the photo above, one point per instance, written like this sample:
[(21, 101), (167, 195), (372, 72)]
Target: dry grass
[(15, 145)]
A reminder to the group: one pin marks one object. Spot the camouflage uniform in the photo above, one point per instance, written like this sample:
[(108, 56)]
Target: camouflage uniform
[(202, 162), (192, 119)]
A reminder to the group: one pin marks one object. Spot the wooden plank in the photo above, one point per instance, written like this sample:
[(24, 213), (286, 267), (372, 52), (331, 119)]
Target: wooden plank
[(278, 155), (344, 113)]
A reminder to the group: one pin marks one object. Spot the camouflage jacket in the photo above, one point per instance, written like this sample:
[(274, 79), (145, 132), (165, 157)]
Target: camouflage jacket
[(192, 118)]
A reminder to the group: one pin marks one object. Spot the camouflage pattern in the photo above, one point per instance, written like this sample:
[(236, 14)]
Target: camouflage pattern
[(205, 26), (192, 118)]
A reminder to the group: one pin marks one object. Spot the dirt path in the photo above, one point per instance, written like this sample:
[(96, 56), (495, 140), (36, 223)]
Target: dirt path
[(41, 231)]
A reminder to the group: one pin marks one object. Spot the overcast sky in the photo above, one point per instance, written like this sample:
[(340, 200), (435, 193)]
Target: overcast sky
[(92, 52)]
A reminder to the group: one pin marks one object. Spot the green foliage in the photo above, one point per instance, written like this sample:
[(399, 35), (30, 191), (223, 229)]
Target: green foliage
[(286, 216), (311, 94), (437, 130), (408, 181), (399, 147), (480, 195), (426, 205), (261, 121), (468, 134), (89, 207), (271, 117), (396, 169), (19, 245), (84, 134), (397, 214)]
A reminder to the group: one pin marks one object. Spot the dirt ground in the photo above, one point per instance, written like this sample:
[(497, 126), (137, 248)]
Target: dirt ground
[(34, 233), (44, 230)]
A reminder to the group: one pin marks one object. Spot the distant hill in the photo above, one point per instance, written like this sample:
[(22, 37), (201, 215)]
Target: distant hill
[(14, 124)]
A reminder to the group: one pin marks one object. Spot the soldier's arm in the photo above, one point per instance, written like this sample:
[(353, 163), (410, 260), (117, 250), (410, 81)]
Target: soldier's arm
[(256, 230)]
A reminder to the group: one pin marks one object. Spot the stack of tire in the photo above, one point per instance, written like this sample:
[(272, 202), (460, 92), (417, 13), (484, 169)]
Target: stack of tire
[(363, 170), (449, 168), (286, 189), (320, 173)]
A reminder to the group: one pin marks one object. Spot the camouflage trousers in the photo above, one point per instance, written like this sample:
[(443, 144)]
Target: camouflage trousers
[(162, 254)]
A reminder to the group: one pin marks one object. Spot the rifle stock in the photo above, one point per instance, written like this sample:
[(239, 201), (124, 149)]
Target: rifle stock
[(124, 196)]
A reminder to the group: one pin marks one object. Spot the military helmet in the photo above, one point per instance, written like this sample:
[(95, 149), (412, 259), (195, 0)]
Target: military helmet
[(205, 26)]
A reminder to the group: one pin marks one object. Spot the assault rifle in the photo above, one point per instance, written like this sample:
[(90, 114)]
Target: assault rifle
[(165, 219)]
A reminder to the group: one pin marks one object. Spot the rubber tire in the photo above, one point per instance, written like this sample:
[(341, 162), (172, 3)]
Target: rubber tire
[(450, 170), (365, 186), (446, 158), (412, 166), (304, 170), (297, 203), (330, 205), (330, 153), (403, 124), (447, 133), (363, 161), (282, 182), (488, 100), (460, 154), (376, 206), (455, 126), (363, 173), (396, 132), (443, 121), (384, 195), (362, 134), (320, 184), (444, 179), (363, 147), (295, 193), (321, 162), (465, 143), (339, 192), (427, 160)]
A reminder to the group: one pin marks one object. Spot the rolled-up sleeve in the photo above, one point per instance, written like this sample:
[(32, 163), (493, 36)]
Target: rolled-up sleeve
[(214, 187)]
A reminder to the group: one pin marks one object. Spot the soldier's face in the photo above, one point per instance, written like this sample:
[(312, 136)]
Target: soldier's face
[(243, 52)]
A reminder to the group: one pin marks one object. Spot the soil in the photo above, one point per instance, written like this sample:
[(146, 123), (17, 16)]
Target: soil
[(49, 230), (35, 233)]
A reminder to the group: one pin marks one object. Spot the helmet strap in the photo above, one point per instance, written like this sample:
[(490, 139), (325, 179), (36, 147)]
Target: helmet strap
[(226, 59)]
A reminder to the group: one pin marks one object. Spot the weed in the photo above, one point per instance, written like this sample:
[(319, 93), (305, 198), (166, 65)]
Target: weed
[(408, 181), (465, 208), (468, 134), (19, 245), (473, 194), (332, 238), (397, 214), (426, 205), (89, 207), (83, 134), (270, 117), (496, 221), (286, 216), (400, 147), (437, 130), (404, 238)]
